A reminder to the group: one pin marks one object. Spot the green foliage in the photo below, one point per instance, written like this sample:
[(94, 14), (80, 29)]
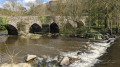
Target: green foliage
[(5, 31), (89, 35), (96, 16), (21, 26), (68, 31), (3, 21), (45, 25), (81, 30), (93, 35), (45, 19)]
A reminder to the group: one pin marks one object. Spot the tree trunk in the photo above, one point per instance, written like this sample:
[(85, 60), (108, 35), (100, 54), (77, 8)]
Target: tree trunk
[(118, 28), (106, 22), (111, 28)]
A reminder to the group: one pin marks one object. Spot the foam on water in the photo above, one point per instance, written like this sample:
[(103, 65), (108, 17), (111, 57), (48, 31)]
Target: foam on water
[(88, 59)]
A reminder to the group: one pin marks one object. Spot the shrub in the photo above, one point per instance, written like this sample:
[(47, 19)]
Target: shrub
[(89, 35), (81, 30), (3, 22), (21, 26)]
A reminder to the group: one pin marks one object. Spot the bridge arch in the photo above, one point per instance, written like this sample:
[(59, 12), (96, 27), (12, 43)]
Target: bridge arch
[(11, 29), (80, 24), (54, 28), (35, 28)]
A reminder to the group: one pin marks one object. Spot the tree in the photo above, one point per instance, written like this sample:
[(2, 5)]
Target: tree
[(14, 6)]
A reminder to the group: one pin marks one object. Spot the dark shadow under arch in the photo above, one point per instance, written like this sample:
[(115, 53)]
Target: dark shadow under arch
[(35, 28), (54, 28), (11, 30)]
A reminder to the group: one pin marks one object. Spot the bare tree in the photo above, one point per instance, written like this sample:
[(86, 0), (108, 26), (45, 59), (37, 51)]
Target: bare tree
[(13, 6)]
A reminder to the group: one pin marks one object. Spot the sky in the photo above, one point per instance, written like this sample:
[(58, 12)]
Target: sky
[(23, 1)]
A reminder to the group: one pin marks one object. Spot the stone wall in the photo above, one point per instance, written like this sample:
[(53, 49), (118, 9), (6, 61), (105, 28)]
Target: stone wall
[(30, 20)]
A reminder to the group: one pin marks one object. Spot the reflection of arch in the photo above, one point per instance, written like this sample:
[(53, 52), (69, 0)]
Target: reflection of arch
[(11, 40), (35, 28), (54, 28), (11, 30)]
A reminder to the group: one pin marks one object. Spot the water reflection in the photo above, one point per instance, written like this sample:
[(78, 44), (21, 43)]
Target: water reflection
[(11, 39), (51, 46)]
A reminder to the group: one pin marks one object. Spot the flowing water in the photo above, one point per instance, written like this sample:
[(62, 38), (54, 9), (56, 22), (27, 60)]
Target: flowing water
[(65, 46), (112, 57), (43, 46)]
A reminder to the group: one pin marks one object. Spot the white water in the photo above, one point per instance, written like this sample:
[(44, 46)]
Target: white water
[(91, 58)]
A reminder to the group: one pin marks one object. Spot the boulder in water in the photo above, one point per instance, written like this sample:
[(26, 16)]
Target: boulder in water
[(44, 56), (78, 53), (72, 60), (65, 61), (30, 57), (59, 58), (106, 37)]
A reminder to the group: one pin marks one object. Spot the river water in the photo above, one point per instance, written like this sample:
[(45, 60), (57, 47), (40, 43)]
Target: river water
[(65, 46), (51, 46), (112, 57)]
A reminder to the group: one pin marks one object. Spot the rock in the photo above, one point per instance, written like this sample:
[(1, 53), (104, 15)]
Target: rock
[(60, 58), (99, 36), (114, 36), (49, 35), (72, 60), (108, 41), (44, 56), (22, 33), (38, 60), (78, 53), (65, 61), (108, 34), (41, 61), (16, 65), (106, 37), (53, 63), (30, 57)]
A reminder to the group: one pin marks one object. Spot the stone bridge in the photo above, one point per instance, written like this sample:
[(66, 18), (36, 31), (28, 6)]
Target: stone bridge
[(32, 24)]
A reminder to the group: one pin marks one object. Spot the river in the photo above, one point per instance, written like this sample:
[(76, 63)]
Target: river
[(112, 57), (65, 46), (44, 46)]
